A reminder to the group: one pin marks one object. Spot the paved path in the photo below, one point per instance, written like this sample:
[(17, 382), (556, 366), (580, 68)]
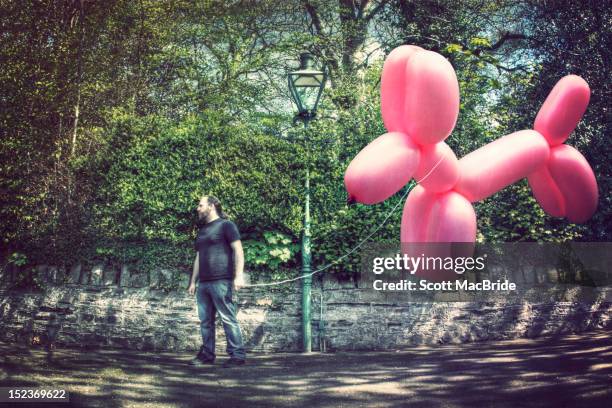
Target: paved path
[(568, 371)]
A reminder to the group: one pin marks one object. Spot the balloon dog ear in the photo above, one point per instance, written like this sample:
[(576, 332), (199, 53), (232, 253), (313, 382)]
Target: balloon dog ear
[(393, 87), (419, 94), (432, 98)]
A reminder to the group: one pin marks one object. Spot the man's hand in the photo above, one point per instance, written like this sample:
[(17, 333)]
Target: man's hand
[(191, 289), (239, 282)]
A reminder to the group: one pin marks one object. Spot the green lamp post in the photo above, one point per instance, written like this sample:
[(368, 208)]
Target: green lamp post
[(306, 86)]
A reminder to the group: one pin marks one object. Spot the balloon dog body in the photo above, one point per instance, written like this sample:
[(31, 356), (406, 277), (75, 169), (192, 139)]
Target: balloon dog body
[(420, 105)]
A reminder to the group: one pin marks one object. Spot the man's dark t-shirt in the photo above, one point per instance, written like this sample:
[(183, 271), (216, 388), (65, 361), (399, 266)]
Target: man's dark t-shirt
[(214, 250)]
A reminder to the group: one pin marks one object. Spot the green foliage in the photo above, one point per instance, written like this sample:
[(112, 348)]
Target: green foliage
[(451, 48), (180, 99), (152, 189), (18, 259), (265, 256)]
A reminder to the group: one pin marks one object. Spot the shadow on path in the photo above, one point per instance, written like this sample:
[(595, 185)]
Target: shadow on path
[(573, 370)]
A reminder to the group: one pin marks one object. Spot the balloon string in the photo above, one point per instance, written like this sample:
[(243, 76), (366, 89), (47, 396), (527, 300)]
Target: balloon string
[(343, 256), (354, 248), (433, 168)]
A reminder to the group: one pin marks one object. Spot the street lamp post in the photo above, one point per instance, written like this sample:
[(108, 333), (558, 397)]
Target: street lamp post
[(306, 86)]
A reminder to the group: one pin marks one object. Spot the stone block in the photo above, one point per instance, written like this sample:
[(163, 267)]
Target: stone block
[(165, 278), (85, 275), (16, 272), (161, 278), (8, 274), (124, 276), (62, 275), (42, 273), (109, 277), (139, 280), (74, 276), (183, 279), (96, 274), (87, 317), (154, 278), (53, 275)]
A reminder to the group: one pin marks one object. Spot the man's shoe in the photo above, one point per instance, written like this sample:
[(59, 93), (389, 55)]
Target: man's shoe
[(199, 360), (233, 362)]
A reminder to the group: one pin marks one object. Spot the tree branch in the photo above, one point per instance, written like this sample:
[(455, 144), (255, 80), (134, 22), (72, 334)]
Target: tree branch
[(362, 5), (507, 36), (513, 69), (314, 16), (376, 10)]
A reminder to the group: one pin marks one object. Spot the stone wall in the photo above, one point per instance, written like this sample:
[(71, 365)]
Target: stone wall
[(106, 307)]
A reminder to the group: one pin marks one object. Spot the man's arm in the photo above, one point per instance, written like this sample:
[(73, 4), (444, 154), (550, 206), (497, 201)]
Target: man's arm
[(238, 264), (195, 274)]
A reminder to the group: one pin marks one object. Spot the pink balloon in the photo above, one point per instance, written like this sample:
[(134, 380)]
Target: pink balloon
[(439, 168), (433, 255), (420, 104), (415, 217), (546, 192), (437, 226), (381, 168), (432, 97), (431, 217), (576, 181), (452, 219), (500, 163), (563, 109), (393, 87)]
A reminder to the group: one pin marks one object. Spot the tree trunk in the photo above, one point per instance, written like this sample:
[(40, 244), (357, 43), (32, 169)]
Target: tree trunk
[(79, 78)]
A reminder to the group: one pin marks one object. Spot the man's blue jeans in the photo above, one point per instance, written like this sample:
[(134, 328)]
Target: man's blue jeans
[(216, 296)]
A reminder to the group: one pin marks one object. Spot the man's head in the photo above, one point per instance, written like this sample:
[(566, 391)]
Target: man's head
[(209, 208)]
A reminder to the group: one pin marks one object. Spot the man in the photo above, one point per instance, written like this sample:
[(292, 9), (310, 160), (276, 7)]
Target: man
[(219, 261)]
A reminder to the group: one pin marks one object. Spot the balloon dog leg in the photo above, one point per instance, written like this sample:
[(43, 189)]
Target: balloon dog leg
[(437, 226), (566, 185)]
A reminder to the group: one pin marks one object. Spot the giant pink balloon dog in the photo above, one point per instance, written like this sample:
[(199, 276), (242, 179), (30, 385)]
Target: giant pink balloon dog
[(420, 104)]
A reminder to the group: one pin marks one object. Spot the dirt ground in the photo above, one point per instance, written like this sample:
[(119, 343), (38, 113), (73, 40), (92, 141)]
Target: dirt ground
[(567, 371)]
